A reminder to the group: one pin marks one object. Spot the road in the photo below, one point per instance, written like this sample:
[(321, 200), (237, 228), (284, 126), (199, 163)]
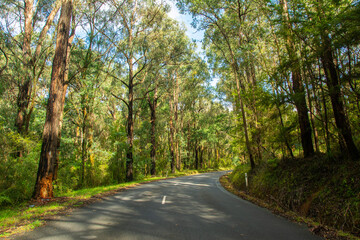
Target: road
[(192, 207)]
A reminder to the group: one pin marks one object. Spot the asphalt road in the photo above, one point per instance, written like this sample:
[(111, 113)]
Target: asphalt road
[(193, 207)]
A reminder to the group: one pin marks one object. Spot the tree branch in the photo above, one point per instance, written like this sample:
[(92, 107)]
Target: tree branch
[(147, 92), (45, 30), (120, 98), (6, 63)]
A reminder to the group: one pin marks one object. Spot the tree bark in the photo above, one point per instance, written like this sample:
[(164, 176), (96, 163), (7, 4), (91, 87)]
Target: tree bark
[(196, 149), (130, 127), (239, 87), (283, 134), (26, 84), (251, 79), (303, 117), (298, 88), (171, 139), (52, 128), (176, 123), (29, 61), (83, 143), (333, 83), (201, 159), (187, 162), (243, 115), (153, 106), (312, 112)]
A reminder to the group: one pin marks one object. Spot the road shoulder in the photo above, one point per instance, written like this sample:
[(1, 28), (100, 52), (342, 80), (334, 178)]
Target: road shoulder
[(318, 229)]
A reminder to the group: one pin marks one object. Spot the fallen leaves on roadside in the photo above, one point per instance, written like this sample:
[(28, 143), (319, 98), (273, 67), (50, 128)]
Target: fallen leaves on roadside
[(319, 230)]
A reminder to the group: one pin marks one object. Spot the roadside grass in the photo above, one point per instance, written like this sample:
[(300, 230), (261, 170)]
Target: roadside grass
[(26, 217), (29, 215), (267, 187)]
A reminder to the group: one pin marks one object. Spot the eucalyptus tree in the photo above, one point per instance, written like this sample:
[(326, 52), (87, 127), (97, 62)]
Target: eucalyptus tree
[(332, 74), (171, 51), (91, 68), (225, 33), (26, 25), (191, 94), (137, 24), (178, 74), (48, 164), (318, 26), (298, 85)]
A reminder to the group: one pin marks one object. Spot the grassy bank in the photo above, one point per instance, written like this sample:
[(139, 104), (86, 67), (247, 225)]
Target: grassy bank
[(325, 190), (31, 214)]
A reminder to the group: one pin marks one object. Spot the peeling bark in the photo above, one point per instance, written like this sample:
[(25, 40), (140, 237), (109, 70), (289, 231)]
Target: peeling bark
[(52, 128)]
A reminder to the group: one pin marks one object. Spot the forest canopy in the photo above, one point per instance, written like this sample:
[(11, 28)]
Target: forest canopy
[(99, 92)]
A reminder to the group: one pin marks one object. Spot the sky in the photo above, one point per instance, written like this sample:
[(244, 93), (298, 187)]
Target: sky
[(191, 32)]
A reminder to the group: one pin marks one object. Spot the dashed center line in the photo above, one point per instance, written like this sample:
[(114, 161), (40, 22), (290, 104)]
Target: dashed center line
[(163, 200)]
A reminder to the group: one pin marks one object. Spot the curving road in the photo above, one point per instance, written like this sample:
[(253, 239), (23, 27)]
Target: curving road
[(192, 207)]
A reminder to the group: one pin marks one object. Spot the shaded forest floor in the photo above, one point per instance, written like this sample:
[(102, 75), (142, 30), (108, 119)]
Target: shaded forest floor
[(32, 214), (321, 192)]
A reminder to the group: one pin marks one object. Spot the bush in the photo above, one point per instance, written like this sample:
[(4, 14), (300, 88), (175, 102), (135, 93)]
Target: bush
[(237, 177), (18, 174)]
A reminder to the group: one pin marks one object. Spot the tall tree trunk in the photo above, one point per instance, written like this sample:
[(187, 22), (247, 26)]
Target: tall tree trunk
[(333, 83), (48, 156), (130, 130), (312, 112), (196, 150), (201, 160), (251, 79), (66, 76), (130, 118), (298, 88), (244, 120), (171, 139), (25, 85), (83, 144), (311, 100), (284, 134), (324, 116), (187, 163), (176, 123), (153, 106), (239, 87), (209, 161), (303, 117), (90, 157)]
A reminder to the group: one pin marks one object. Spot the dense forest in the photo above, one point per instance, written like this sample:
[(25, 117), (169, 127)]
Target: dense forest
[(100, 92)]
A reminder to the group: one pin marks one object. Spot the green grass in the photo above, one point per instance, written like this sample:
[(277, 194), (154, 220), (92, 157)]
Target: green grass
[(238, 175), (17, 215)]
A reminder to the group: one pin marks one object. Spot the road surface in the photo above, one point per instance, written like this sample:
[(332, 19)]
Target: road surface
[(185, 208)]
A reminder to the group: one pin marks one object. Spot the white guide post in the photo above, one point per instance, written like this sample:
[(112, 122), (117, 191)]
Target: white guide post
[(246, 180)]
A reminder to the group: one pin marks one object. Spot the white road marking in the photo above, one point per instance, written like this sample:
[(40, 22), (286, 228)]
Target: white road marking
[(190, 183), (163, 200)]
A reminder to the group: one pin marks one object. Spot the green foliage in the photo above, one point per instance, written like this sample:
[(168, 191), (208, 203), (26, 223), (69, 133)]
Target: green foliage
[(246, 45), (237, 177), (18, 173)]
